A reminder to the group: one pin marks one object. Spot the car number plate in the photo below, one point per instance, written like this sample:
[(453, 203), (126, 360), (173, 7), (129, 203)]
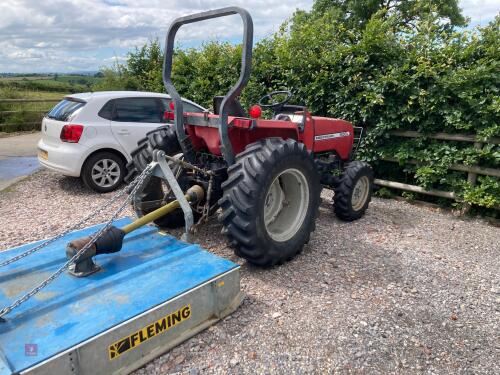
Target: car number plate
[(43, 154)]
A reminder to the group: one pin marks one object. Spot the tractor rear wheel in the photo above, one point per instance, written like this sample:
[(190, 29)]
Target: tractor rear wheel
[(163, 138), (154, 195), (354, 191), (271, 200)]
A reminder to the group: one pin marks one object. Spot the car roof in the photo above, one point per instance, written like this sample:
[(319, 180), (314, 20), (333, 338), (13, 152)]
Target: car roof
[(88, 96)]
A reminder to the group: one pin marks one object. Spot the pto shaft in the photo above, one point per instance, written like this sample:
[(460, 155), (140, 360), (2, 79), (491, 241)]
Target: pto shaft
[(193, 195), (111, 240)]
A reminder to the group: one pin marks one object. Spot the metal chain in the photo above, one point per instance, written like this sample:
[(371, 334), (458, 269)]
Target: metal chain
[(138, 183), (206, 211), (206, 208), (70, 229)]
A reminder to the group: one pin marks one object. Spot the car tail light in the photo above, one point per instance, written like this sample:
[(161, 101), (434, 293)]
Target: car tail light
[(71, 133)]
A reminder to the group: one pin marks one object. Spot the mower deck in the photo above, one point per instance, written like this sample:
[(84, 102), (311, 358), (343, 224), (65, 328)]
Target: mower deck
[(146, 299)]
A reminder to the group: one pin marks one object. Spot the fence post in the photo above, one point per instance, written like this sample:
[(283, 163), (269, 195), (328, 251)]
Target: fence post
[(471, 180), (472, 177)]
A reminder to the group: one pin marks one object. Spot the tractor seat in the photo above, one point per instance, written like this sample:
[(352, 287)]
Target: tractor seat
[(282, 117), (234, 108), (292, 117)]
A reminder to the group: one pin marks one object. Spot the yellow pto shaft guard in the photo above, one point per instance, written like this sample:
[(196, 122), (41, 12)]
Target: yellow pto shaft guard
[(193, 195), (111, 240)]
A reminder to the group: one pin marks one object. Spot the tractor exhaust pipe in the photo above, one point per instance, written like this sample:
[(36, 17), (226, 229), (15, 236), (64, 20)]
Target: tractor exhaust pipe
[(111, 241)]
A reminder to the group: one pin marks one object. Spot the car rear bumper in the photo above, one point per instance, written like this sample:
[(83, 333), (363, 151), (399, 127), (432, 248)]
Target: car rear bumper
[(65, 158)]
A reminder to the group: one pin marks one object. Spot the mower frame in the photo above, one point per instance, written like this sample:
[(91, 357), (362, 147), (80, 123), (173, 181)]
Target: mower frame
[(162, 169)]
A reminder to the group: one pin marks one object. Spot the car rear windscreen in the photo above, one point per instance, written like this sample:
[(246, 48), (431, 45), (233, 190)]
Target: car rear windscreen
[(64, 109)]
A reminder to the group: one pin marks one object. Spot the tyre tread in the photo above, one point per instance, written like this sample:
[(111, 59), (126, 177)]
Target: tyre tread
[(244, 182), (342, 198)]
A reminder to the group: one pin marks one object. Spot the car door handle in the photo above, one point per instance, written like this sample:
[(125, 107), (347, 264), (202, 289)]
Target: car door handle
[(123, 132)]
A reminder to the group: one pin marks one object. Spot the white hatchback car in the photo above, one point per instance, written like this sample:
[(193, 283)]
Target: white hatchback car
[(91, 135)]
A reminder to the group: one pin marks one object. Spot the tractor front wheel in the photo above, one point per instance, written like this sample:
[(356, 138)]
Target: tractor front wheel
[(270, 201), (354, 191)]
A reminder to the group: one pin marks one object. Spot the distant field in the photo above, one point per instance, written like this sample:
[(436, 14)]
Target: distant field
[(50, 83), (27, 116), (71, 78), (19, 78), (30, 94), (79, 79)]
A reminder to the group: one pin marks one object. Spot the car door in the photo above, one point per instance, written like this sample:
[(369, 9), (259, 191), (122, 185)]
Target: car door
[(133, 118)]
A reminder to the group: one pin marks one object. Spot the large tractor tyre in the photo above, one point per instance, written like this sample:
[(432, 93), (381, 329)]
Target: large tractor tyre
[(165, 139), (354, 191), (270, 201)]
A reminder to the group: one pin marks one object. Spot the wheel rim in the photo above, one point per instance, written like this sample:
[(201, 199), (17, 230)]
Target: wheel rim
[(360, 193), (286, 204), (105, 173)]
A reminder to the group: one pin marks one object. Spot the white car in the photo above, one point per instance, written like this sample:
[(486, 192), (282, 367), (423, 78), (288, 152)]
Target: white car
[(91, 135)]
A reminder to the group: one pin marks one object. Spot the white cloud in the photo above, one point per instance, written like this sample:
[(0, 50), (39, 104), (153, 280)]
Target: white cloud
[(480, 12), (63, 35), (66, 35)]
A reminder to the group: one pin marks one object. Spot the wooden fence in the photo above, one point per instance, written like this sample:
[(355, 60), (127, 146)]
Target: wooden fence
[(23, 125), (472, 170)]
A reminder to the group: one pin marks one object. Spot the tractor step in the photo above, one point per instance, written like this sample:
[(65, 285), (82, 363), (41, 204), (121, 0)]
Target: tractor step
[(146, 299)]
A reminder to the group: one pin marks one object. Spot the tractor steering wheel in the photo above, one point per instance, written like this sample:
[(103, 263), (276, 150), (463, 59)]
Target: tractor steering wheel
[(275, 105)]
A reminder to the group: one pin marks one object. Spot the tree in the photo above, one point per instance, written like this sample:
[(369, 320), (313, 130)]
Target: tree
[(144, 66), (381, 64), (356, 13)]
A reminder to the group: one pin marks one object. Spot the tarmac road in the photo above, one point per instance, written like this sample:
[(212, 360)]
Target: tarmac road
[(17, 158)]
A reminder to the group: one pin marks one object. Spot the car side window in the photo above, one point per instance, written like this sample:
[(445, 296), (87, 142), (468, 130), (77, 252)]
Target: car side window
[(188, 107), (138, 110), (165, 103), (107, 110)]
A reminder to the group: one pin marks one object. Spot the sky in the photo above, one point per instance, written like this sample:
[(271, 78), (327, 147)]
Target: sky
[(39, 36)]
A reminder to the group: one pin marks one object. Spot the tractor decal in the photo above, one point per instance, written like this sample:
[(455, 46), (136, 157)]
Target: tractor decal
[(323, 137), (138, 337)]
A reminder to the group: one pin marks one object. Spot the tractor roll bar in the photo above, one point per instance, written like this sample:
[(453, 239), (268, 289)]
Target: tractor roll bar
[(246, 66)]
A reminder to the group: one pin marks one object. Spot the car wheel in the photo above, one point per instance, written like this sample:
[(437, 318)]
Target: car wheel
[(103, 172)]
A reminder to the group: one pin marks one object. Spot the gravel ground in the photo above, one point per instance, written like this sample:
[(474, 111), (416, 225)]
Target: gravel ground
[(406, 289)]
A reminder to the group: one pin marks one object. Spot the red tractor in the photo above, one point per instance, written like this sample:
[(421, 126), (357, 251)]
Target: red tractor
[(266, 175)]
